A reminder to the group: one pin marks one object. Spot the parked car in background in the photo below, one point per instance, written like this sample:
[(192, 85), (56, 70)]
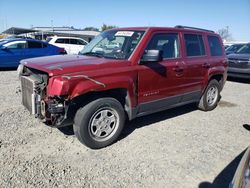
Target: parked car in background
[(72, 45), (241, 177), (153, 69), (233, 48), (113, 45), (12, 51), (226, 46), (239, 63)]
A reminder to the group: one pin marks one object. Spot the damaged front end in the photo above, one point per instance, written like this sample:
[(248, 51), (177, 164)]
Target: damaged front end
[(53, 111)]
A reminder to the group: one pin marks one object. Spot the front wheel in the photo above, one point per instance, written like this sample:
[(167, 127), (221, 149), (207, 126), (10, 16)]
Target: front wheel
[(99, 123), (210, 97)]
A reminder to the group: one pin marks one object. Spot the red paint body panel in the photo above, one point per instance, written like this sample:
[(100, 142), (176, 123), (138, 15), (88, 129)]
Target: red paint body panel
[(74, 75)]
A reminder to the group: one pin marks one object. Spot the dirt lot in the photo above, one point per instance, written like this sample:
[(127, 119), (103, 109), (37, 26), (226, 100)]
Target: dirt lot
[(183, 147)]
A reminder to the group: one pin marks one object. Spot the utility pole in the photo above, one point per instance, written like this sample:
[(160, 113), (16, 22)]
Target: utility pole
[(52, 27)]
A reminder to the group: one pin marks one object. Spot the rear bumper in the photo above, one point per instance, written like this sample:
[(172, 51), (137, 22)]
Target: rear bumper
[(239, 72)]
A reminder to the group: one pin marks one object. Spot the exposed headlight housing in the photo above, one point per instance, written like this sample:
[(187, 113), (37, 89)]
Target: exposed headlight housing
[(20, 70)]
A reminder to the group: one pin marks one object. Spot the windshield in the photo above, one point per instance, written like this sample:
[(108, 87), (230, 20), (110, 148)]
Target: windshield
[(113, 44), (244, 49), (234, 47)]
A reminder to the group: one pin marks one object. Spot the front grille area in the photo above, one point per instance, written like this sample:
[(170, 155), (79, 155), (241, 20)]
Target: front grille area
[(28, 95)]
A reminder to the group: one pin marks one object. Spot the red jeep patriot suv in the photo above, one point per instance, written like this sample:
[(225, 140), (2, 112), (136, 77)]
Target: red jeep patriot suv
[(124, 73)]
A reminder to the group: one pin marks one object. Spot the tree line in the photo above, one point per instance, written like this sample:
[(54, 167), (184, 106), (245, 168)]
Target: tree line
[(103, 28)]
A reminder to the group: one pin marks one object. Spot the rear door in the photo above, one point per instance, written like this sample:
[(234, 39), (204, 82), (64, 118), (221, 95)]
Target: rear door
[(36, 49), (63, 43), (197, 61), (217, 57), (161, 84)]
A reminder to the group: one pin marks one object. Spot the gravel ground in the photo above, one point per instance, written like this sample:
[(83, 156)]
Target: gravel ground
[(183, 147)]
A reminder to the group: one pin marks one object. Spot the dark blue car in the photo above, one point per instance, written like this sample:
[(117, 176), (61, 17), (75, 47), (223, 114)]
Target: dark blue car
[(14, 50)]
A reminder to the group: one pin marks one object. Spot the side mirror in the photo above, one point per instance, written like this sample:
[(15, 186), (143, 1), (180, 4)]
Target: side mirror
[(151, 56), (3, 48)]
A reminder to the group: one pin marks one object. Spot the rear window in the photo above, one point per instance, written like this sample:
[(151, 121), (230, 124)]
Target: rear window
[(194, 45), (215, 46)]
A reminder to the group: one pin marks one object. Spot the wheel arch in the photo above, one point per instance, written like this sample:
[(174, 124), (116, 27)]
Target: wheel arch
[(218, 77), (120, 94)]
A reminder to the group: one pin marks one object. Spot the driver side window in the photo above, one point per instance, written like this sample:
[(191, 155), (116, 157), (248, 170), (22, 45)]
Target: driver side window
[(167, 43), (16, 45)]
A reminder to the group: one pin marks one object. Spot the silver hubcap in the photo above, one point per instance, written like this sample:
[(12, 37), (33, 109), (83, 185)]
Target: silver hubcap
[(103, 124), (212, 95)]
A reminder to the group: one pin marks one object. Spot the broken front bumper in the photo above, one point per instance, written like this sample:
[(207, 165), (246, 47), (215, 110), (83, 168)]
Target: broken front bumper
[(55, 111)]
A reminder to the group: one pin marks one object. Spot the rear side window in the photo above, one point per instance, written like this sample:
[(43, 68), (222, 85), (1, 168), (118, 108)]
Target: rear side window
[(168, 43), (194, 45), (77, 42), (215, 46), (73, 41), (62, 41), (32, 44)]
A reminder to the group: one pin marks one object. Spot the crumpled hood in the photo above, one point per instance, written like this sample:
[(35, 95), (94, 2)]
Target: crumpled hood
[(66, 64)]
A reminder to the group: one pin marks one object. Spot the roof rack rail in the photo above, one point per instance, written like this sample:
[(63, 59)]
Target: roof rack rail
[(196, 28)]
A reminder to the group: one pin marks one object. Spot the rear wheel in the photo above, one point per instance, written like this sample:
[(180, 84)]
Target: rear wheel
[(99, 123), (211, 96)]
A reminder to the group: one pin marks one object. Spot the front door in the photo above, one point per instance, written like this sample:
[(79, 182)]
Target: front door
[(12, 54), (161, 84)]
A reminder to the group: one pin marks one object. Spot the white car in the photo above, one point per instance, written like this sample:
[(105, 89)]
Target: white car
[(72, 45)]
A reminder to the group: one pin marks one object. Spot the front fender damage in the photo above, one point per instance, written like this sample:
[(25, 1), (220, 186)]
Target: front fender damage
[(59, 110)]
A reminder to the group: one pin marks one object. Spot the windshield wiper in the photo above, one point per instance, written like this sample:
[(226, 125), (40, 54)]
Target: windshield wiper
[(93, 54)]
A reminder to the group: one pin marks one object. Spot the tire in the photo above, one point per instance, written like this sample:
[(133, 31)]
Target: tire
[(99, 123), (210, 97)]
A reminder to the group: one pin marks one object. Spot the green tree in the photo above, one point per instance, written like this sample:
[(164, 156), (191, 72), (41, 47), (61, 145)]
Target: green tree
[(106, 27), (91, 29)]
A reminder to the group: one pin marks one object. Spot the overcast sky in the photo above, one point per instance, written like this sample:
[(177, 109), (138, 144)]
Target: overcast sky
[(213, 14)]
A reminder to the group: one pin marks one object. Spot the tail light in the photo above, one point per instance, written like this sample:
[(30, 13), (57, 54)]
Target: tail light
[(62, 51)]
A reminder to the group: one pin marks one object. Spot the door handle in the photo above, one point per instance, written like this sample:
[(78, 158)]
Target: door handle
[(206, 65), (178, 69)]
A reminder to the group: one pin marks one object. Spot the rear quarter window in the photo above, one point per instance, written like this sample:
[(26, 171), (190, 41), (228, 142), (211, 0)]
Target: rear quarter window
[(194, 45), (32, 44), (80, 42), (214, 45)]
